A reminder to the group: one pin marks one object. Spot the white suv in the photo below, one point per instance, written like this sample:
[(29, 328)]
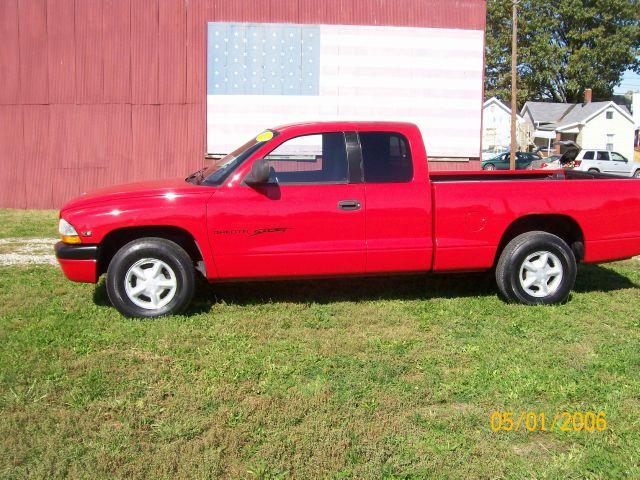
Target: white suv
[(604, 161)]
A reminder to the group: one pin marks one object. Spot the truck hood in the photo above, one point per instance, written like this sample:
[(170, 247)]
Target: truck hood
[(154, 188)]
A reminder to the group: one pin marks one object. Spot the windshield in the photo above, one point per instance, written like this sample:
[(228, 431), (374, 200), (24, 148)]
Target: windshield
[(217, 173)]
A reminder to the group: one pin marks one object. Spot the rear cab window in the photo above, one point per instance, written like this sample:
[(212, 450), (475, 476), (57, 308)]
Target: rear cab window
[(603, 156), (386, 157), (590, 155)]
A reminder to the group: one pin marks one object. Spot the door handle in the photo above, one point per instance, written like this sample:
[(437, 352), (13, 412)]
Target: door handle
[(349, 205)]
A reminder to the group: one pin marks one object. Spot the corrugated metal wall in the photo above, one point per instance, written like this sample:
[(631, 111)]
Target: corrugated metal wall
[(98, 92)]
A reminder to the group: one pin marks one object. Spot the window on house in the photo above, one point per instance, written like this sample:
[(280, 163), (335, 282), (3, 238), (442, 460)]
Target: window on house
[(610, 142), (610, 115)]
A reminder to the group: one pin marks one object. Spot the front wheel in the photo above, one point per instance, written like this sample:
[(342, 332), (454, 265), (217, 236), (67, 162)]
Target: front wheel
[(490, 166), (150, 277), (536, 268)]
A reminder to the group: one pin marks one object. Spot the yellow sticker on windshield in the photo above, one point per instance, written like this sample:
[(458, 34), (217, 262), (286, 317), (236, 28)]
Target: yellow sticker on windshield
[(264, 136)]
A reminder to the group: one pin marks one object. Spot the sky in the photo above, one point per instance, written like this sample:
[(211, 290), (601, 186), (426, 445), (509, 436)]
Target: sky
[(630, 81)]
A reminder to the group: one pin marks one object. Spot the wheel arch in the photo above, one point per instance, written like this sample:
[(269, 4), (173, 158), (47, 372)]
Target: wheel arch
[(117, 238), (563, 226)]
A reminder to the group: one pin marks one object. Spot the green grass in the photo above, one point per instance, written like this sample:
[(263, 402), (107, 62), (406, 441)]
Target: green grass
[(391, 377), (28, 223)]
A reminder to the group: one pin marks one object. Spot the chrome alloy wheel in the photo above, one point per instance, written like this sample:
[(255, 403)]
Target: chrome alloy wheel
[(150, 283), (541, 274)]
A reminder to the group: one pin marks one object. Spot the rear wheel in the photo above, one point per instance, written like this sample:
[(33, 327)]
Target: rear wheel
[(593, 170), (150, 277), (536, 268), (489, 166), (636, 174)]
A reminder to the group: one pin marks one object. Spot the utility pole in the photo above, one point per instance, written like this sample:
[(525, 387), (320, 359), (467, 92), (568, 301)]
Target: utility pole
[(514, 87)]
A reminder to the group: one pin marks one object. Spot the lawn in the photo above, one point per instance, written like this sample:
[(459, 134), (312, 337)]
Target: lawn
[(383, 378), (28, 224)]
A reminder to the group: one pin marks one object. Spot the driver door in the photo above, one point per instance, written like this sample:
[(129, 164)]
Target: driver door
[(620, 165), (308, 221)]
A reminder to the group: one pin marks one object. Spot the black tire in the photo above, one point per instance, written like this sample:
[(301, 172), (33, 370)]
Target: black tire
[(636, 174), (510, 269), (176, 262), (593, 170), (490, 167)]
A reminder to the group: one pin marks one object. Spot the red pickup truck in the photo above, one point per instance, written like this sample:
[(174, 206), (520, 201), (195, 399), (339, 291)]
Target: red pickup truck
[(344, 198)]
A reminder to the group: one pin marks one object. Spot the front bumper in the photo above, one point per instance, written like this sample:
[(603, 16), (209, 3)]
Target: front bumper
[(79, 262)]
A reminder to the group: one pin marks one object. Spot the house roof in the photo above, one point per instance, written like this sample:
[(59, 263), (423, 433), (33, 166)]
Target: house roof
[(499, 103), (547, 112), (563, 115), (581, 112)]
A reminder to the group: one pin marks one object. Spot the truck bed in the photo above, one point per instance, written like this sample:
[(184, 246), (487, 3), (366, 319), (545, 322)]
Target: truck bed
[(472, 210)]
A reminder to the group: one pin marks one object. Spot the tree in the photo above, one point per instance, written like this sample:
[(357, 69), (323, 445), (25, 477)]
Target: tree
[(564, 47)]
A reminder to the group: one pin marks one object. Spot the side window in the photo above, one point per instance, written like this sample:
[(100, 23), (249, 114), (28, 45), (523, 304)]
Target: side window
[(589, 155), (616, 157), (320, 158), (603, 156), (386, 157), (610, 138)]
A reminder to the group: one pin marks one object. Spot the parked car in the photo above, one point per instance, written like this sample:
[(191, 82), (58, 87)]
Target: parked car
[(557, 162), (603, 161), (549, 163), (343, 198), (487, 154), (502, 161)]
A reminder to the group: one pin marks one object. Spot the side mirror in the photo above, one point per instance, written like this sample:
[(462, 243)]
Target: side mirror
[(260, 173)]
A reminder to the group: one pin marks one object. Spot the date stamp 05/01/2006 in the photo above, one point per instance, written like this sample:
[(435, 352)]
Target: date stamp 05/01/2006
[(575, 421)]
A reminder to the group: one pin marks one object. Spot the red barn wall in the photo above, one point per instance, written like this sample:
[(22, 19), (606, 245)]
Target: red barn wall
[(98, 92)]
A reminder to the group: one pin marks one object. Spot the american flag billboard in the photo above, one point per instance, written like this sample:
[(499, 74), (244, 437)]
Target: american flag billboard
[(262, 75)]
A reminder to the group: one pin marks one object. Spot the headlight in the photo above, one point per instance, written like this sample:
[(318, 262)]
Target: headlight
[(67, 232)]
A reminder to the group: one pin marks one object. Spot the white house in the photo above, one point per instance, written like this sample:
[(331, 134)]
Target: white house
[(592, 125), (635, 110), (496, 128), (635, 102)]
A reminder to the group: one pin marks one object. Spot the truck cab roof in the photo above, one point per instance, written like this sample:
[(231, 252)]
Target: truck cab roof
[(347, 125)]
